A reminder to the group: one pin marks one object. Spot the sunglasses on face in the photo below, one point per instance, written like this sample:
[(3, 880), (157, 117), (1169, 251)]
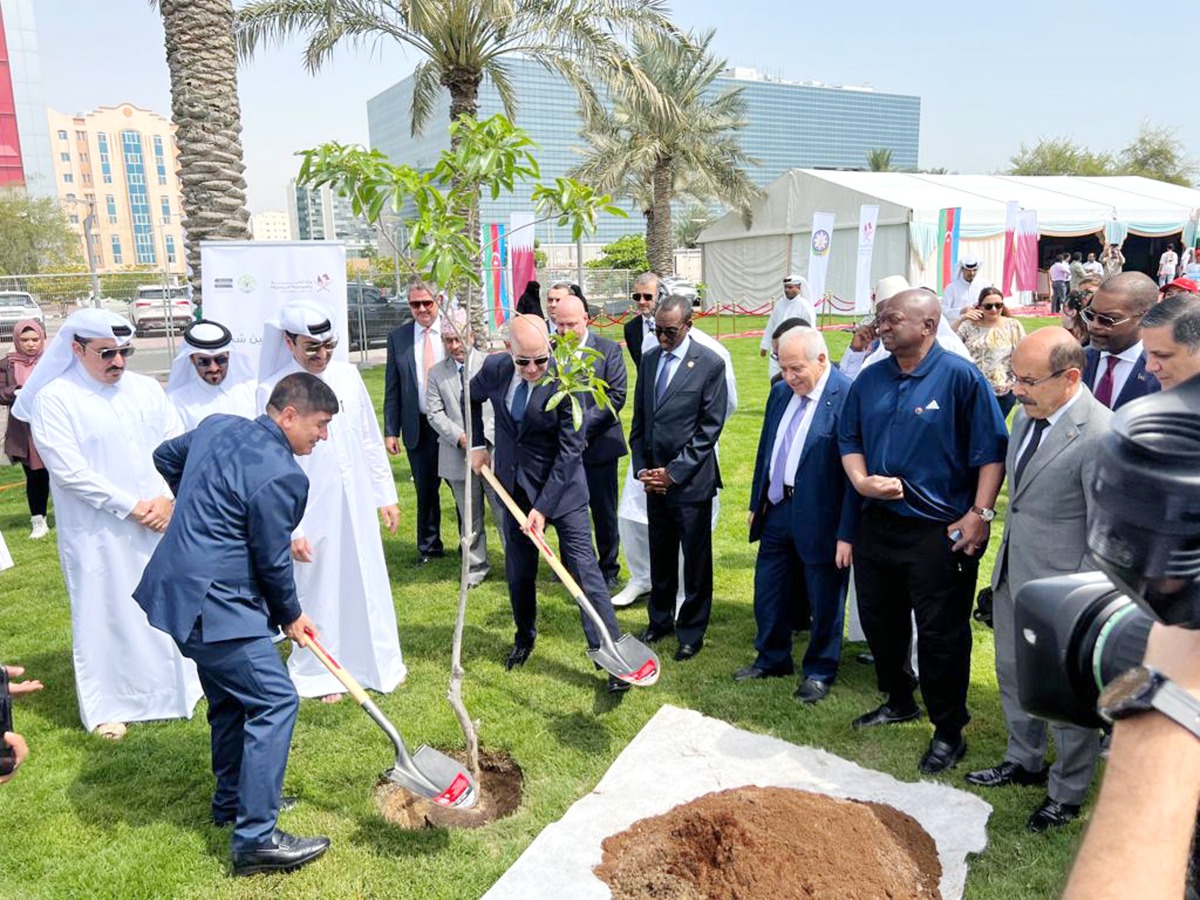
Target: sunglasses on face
[(312, 351), (667, 331), (204, 362), (421, 304), (991, 306), (522, 361), (112, 352), (637, 297), (1095, 318)]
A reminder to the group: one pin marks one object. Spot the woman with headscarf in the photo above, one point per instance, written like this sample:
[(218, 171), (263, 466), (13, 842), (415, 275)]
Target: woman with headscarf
[(29, 340), (530, 301)]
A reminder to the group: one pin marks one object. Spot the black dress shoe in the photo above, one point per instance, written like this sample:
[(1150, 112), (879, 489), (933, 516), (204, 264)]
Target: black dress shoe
[(611, 583), (616, 685), (687, 651), (517, 656), (885, 715), (223, 819), (812, 690), (1006, 773), (750, 672), (942, 755), (427, 558), (1052, 814), (867, 659), (282, 853), (653, 635)]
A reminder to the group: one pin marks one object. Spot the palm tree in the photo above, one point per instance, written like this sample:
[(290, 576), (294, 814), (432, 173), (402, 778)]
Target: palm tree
[(879, 160), (202, 60), (462, 40), (678, 140)]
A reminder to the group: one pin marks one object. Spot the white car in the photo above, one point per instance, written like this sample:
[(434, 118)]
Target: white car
[(15, 306), (154, 306)]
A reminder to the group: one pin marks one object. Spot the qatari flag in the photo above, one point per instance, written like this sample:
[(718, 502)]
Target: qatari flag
[(1012, 213), (948, 221), (1027, 250), (520, 251)]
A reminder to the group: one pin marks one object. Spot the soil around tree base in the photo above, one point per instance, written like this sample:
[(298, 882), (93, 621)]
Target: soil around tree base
[(778, 843), (501, 784)]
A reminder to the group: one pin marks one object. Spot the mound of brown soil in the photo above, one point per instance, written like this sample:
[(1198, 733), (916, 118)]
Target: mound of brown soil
[(501, 783), (777, 843)]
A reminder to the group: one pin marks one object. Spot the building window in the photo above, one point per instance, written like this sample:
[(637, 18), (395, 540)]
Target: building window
[(62, 135), (166, 211), (74, 218), (105, 165), (170, 248), (160, 161), (81, 136), (68, 178), (110, 203), (116, 250), (65, 157), (139, 200), (83, 158), (87, 179), (70, 196)]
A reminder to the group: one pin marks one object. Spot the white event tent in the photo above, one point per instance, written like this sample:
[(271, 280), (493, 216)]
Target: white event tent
[(746, 265)]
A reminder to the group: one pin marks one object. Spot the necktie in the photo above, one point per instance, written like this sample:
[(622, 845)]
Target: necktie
[(661, 385), (1039, 427), (520, 398), (1104, 390), (779, 467), (427, 354)]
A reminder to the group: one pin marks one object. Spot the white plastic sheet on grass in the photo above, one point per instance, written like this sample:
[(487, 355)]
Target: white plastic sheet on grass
[(680, 755)]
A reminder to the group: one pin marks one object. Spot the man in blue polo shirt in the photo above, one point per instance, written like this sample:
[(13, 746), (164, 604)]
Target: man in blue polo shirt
[(922, 440)]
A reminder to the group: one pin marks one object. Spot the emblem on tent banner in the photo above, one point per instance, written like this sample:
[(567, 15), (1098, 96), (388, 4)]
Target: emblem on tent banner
[(820, 242)]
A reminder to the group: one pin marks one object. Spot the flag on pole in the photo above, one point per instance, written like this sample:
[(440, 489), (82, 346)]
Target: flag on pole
[(1027, 250), (495, 286), (868, 221), (1012, 214), (520, 250), (948, 221), (820, 244)]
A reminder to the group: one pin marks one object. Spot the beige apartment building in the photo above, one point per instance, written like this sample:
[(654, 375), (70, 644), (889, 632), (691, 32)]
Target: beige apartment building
[(123, 160)]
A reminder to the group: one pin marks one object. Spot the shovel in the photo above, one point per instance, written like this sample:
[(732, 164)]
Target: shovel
[(628, 658), (427, 773)]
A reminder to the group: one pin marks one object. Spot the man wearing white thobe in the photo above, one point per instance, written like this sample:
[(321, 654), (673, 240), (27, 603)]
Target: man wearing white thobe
[(96, 426), (344, 583), (632, 523), (796, 303), (963, 292), (209, 376)]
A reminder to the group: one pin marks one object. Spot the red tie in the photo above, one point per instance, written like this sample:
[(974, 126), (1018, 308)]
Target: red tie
[(1104, 390)]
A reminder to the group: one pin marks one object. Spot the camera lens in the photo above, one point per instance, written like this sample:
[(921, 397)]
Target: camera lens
[(1080, 627)]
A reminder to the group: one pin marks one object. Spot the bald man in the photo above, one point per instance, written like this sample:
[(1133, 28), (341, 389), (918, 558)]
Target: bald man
[(1051, 462), (603, 434), (1115, 365), (923, 442), (539, 460)]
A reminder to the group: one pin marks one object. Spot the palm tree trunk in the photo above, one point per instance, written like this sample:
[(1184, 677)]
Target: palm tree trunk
[(464, 101), (204, 105), (659, 245)]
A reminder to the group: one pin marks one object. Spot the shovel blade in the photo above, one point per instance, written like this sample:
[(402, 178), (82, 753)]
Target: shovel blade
[(633, 662), (435, 776)]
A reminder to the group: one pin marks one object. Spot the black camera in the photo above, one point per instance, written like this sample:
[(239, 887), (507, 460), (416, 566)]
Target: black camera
[(8, 756), (1077, 633)]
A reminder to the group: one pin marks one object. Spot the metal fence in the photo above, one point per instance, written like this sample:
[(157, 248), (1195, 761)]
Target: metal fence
[(60, 294)]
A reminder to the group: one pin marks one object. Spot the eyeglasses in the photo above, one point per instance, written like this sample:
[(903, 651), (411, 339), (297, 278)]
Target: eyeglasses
[(111, 353), (522, 361), (422, 304), (1095, 318), (312, 351), (1033, 382), (204, 362), (636, 297), (670, 331), (992, 306)]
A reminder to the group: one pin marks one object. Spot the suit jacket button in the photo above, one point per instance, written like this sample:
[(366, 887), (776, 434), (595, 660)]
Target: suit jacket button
[(1015, 510)]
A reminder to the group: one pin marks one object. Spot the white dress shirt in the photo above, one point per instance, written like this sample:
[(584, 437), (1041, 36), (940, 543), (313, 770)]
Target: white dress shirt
[(793, 407), (439, 353), (1128, 359), (678, 353)]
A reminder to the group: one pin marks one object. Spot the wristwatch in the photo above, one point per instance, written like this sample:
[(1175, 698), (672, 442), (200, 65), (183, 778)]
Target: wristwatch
[(1143, 689), (986, 514)]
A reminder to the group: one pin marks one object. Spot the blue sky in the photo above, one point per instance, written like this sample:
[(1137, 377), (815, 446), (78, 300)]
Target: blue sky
[(987, 79)]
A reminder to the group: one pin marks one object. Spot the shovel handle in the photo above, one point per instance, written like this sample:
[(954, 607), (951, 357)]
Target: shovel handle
[(356, 690)]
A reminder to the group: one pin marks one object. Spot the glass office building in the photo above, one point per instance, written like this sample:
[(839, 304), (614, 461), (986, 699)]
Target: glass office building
[(790, 125)]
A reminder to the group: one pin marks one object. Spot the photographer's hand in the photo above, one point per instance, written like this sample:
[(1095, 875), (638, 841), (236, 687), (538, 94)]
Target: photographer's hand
[(1151, 788), (20, 687), (17, 743)]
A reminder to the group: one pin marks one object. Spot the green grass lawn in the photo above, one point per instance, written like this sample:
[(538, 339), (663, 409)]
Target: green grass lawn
[(86, 818)]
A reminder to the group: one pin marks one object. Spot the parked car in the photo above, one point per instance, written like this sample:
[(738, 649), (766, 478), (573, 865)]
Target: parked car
[(375, 316), (673, 284), (153, 306), (14, 306)]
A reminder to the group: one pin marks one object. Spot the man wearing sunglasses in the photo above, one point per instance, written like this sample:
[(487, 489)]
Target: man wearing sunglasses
[(539, 460), (1116, 360), (344, 582), (210, 376), (412, 351), (639, 330), (96, 426)]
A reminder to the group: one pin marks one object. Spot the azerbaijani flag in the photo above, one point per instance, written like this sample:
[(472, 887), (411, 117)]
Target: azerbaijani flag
[(495, 284), (948, 221)]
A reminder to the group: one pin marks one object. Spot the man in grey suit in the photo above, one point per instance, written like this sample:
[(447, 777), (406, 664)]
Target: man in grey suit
[(1051, 461), (444, 407)]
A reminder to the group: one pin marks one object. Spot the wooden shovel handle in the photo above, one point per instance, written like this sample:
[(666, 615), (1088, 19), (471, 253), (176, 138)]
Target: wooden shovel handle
[(356, 690)]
